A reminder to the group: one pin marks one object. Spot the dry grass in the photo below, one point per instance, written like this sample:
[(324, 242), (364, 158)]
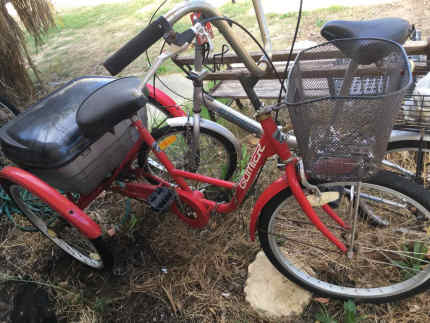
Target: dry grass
[(206, 271), (36, 17), (408, 161)]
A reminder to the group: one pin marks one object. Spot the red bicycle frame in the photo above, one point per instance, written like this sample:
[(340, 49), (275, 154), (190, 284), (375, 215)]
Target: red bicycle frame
[(269, 145)]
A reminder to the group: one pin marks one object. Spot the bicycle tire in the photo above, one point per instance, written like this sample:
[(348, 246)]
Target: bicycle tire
[(404, 154), (58, 230), (313, 268), (206, 165)]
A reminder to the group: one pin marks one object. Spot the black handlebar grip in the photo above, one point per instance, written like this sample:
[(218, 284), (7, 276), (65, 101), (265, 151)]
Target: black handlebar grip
[(136, 46)]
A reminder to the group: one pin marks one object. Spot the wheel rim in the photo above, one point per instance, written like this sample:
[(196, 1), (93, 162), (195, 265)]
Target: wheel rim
[(386, 261), (65, 236)]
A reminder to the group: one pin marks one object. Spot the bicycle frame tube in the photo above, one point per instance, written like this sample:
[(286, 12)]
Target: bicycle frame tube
[(262, 152), (232, 115), (241, 120), (270, 144)]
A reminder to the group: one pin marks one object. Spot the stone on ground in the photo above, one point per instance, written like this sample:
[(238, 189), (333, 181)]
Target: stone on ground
[(270, 293)]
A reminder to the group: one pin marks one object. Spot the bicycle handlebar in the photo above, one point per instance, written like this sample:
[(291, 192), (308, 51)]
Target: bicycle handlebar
[(136, 46)]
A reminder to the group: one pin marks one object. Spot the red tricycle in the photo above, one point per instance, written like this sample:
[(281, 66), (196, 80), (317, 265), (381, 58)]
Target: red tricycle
[(333, 222)]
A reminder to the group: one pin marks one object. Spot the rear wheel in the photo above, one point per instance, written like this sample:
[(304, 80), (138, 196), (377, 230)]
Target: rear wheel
[(217, 155), (91, 252), (390, 257), (405, 158)]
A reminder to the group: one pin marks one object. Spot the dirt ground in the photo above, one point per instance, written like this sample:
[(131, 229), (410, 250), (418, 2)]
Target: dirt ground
[(165, 271)]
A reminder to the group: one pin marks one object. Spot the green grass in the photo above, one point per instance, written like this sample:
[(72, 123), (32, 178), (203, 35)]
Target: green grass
[(320, 22), (335, 8), (68, 48), (349, 315), (168, 67), (288, 15), (70, 22), (85, 37), (236, 9), (414, 259), (324, 316), (99, 15)]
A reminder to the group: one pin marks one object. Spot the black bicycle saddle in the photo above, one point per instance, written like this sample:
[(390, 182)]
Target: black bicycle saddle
[(367, 51), (59, 127), (395, 29)]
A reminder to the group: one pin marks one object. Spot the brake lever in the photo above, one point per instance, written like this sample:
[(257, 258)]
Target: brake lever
[(204, 36)]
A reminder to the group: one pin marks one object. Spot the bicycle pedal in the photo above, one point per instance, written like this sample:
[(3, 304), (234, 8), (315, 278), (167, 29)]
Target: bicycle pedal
[(161, 199), (324, 198)]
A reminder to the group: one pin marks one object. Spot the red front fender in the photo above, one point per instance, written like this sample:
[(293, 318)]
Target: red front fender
[(274, 188), (58, 202)]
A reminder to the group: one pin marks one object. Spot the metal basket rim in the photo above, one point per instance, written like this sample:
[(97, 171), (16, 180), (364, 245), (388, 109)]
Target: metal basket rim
[(402, 50)]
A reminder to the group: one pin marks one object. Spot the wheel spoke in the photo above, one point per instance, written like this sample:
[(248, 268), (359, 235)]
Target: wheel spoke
[(60, 232)]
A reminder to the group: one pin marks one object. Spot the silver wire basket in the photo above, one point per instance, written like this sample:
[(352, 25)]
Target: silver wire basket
[(343, 97)]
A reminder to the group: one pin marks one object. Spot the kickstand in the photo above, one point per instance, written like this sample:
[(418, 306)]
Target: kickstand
[(355, 205)]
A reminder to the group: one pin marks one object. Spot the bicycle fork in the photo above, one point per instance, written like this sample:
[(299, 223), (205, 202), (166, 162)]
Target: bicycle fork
[(281, 148), (306, 206)]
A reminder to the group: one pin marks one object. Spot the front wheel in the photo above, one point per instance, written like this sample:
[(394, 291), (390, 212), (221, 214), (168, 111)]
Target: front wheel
[(390, 257), (93, 253)]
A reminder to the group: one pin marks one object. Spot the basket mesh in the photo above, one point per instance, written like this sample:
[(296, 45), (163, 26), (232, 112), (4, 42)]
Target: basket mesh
[(342, 98)]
